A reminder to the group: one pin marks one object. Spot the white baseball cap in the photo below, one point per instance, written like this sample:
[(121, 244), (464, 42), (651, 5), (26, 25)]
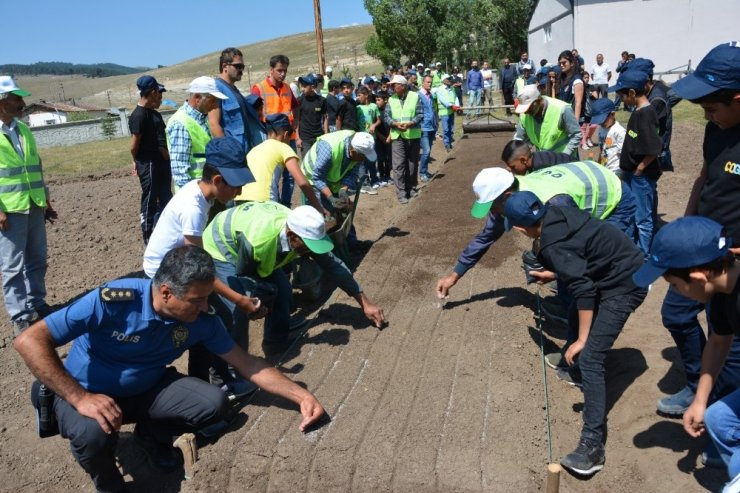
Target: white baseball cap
[(488, 185), (364, 143), (308, 223), (526, 66), (398, 79), (206, 85), (328, 70), (7, 84), (529, 95)]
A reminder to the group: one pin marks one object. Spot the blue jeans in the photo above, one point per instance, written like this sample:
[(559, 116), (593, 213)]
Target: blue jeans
[(680, 317), (623, 216), (448, 129), (610, 316), (644, 191), (23, 263), (473, 100), (427, 141), (723, 425), (286, 193)]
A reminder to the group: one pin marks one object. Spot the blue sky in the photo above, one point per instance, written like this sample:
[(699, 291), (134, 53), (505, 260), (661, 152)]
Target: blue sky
[(152, 32)]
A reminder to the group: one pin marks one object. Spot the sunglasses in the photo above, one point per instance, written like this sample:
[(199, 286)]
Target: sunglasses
[(564, 62), (238, 66)]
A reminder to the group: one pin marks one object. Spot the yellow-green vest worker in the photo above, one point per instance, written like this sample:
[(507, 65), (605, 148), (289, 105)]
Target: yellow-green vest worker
[(594, 188), (21, 182), (334, 156), (254, 227), (199, 137), (446, 99), (404, 111), (550, 136)]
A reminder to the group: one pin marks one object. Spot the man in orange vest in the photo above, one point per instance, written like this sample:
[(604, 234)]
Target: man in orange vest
[(279, 98)]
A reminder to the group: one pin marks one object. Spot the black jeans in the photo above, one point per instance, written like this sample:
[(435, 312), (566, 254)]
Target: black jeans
[(173, 406), (155, 179), (610, 316)]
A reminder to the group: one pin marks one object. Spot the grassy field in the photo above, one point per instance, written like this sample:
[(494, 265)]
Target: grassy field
[(684, 112), (89, 158)]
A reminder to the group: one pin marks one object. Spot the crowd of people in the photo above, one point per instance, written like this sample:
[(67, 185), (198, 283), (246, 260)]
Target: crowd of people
[(220, 228)]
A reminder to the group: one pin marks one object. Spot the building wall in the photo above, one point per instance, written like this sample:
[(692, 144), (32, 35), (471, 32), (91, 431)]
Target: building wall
[(69, 134), (41, 119)]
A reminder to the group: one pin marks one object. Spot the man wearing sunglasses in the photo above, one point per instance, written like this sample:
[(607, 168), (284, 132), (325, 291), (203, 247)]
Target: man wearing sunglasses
[(235, 116)]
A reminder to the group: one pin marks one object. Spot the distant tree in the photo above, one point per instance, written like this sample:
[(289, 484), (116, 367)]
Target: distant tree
[(108, 126), (77, 116)]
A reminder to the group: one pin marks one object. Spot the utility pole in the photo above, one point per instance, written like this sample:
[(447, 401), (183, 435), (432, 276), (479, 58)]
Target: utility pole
[(110, 105), (319, 34), (354, 53)]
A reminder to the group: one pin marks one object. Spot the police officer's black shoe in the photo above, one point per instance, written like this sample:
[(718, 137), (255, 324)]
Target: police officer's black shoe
[(161, 456)]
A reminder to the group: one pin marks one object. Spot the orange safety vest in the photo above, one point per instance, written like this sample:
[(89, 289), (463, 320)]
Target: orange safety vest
[(277, 100)]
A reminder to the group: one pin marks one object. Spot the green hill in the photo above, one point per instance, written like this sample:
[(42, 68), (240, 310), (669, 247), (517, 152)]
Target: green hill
[(340, 47), (65, 68)]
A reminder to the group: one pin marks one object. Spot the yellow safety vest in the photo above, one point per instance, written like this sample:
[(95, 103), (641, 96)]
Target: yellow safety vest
[(550, 137), (199, 137), (405, 113), (21, 181)]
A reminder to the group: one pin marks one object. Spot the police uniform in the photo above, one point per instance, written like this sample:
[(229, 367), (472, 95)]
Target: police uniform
[(121, 348)]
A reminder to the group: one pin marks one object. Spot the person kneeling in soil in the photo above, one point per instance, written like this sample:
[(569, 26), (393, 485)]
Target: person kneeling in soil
[(252, 242), (124, 335), (692, 253), (595, 261)]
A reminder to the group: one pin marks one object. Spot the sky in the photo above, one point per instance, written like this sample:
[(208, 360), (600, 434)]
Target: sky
[(156, 32)]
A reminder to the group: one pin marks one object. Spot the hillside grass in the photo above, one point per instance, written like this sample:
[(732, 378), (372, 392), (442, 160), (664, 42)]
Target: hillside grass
[(86, 159)]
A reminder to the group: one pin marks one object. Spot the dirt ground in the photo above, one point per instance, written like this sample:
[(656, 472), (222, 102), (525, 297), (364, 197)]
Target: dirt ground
[(440, 400)]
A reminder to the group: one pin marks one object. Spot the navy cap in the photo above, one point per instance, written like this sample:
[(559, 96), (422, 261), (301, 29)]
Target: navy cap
[(146, 83), (642, 64), (308, 80), (385, 78), (346, 80), (227, 155), (367, 80), (278, 120), (411, 72), (630, 79), (523, 209), (600, 110), (719, 69), (686, 242)]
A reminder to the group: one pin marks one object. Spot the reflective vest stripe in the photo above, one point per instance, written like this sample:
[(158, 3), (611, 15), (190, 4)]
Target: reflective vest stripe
[(338, 141), (596, 198), (277, 100), (21, 187), (405, 113), (224, 231), (19, 170), (199, 138)]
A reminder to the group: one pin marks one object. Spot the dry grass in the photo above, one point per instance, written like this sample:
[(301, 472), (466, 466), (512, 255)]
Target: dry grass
[(85, 159)]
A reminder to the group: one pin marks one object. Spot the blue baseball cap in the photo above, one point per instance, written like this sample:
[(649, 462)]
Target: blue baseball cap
[(146, 83), (630, 79), (523, 209), (227, 155), (411, 72), (600, 110), (346, 80), (642, 64), (278, 120), (308, 80), (686, 242), (719, 69)]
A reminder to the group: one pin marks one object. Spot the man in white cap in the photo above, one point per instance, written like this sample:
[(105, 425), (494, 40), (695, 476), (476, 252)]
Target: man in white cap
[(547, 123), (24, 205), (188, 132), (250, 244), (403, 115)]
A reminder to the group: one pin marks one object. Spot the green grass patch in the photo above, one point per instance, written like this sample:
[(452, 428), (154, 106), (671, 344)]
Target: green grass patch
[(683, 112), (88, 158)]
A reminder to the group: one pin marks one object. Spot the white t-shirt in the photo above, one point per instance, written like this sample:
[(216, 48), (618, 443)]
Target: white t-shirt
[(487, 78), (611, 149), (186, 214), (600, 73)]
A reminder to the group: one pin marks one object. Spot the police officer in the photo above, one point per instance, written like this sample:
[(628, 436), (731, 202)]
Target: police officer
[(124, 335), (251, 243)]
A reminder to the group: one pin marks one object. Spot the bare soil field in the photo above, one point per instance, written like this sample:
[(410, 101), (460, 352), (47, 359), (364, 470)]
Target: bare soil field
[(440, 400)]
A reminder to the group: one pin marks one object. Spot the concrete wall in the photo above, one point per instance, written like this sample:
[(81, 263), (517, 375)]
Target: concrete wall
[(69, 134)]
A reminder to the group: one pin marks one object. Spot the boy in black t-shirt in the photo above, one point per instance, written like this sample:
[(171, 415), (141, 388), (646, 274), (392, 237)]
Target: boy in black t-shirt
[(639, 155), (693, 255), (347, 112), (332, 104), (383, 142), (310, 115), (151, 159), (715, 86)]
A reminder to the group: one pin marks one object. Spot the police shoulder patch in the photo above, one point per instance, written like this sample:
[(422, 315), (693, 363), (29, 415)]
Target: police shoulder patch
[(117, 294), (211, 310)]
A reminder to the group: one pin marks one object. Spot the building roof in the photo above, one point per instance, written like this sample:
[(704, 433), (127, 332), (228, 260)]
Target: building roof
[(44, 106)]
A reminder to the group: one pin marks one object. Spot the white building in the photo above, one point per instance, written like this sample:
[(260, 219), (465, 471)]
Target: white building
[(672, 33)]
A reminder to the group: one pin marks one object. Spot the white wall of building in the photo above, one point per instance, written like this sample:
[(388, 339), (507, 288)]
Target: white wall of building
[(47, 118), (551, 23), (669, 32)]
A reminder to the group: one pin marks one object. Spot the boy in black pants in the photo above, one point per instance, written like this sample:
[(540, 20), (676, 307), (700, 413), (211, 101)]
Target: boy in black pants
[(640, 150), (383, 142), (596, 262)]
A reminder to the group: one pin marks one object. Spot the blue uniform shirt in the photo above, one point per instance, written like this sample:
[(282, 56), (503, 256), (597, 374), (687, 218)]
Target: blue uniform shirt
[(121, 348)]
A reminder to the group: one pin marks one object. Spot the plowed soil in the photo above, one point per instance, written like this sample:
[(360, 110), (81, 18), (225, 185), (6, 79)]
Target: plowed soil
[(442, 399)]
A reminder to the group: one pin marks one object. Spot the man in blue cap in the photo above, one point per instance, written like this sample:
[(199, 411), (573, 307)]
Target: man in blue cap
[(124, 336), (151, 159), (693, 255), (640, 150), (596, 262), (715, 86)]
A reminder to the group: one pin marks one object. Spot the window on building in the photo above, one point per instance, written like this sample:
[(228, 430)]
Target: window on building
[(547, 30)]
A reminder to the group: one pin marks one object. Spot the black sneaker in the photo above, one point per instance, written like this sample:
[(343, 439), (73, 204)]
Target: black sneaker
[(162, 457), (586, 459)]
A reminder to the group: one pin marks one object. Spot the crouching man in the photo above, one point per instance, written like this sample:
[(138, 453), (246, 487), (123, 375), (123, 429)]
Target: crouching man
[(124, 335)]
